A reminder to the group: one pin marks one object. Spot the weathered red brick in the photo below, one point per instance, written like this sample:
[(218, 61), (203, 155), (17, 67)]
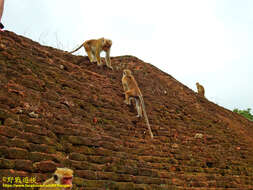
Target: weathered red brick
[(45, 166), (17, 153)]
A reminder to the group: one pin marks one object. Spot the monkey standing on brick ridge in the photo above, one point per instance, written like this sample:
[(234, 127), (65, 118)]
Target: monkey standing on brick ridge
[(201, 90), (94, 47), (61, 176), (131, 90)]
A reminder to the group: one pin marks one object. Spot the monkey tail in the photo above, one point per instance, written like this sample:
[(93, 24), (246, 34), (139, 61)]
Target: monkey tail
[(146, 117), (77, 48)]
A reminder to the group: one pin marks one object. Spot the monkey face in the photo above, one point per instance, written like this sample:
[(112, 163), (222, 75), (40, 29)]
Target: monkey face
[(107, 44), (63, 180), (67, 180), (127, 72)]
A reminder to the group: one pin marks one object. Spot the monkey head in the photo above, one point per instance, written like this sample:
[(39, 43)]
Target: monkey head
[(127, 72), (63, 176), (106, 44)]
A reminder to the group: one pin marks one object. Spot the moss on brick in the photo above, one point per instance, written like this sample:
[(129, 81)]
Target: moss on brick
[(24, 165), (78, 157), (39, 156), (17, 153), (6, 164)]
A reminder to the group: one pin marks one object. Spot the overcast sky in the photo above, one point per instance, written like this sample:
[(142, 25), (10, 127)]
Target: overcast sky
[(193, 40)]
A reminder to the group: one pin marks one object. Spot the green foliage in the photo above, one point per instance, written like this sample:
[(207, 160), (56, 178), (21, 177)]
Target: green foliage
[(246, 113)]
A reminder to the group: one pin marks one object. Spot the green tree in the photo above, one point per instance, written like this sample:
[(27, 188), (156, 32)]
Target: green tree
[(246, 113)]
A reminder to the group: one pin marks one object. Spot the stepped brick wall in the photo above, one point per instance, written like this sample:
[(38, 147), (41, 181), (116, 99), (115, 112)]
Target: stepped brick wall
[(60, 110)]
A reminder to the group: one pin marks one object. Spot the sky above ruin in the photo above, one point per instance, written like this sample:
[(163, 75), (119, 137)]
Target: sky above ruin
[(199, 40)]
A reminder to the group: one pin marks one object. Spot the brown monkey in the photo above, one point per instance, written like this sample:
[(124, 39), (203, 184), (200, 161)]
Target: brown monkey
[(201, 90), (94, 47), (132, 91), (61, 176)]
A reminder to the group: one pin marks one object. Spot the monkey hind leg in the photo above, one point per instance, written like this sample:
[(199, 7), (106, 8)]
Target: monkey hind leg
[(108, 63), (127, 100), (94, 59), (130, 100), (138, 107), (89, 53), (109, 66), (90, 56)]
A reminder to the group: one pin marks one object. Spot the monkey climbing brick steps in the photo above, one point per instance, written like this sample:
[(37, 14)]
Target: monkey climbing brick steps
[(48, 102)]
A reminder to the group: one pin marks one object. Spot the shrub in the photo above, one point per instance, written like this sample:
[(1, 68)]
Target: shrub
[(246, 113)]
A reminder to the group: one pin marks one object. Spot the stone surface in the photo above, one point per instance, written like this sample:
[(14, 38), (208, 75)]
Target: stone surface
[(81, 122)]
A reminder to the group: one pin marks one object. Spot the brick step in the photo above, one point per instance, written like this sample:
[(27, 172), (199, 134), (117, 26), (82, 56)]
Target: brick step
[(89, 179), (109, 184), (172, 183), (243, 187)]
